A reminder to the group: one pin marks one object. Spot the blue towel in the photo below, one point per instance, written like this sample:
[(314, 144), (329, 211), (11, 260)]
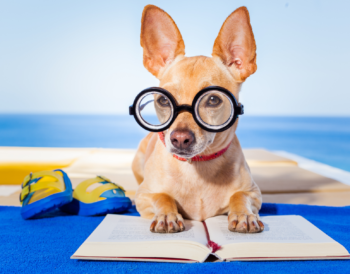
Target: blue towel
[(45, 245)]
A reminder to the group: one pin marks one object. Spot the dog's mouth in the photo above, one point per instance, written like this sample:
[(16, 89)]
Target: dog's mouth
[(187, 154)]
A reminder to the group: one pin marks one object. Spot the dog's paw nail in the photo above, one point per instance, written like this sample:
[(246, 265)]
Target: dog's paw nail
[(161, 228), (181, 225), (254, 227), (234, 223), (153, 224), (261, 225), (244, 224), (173, 227)]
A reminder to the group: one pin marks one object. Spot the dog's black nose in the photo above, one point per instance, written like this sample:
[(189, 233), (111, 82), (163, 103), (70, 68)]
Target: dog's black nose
[(182, 139)]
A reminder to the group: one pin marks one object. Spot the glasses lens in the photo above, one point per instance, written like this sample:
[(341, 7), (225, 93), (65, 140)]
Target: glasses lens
[(155, 109), (215, 109)]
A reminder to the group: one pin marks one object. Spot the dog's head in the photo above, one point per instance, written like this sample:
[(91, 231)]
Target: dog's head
[(233, 60)]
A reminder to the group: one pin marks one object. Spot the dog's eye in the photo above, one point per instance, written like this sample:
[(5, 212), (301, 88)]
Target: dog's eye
[(213, 101), (163, 101)]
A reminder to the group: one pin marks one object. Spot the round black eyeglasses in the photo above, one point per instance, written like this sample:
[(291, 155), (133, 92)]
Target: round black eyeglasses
[(214, 109)]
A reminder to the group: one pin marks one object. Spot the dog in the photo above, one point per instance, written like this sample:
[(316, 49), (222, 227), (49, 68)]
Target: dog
[(169, 189)]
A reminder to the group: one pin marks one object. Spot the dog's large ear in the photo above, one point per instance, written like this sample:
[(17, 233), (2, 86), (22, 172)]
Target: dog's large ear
[(161, 40), (235, 45)]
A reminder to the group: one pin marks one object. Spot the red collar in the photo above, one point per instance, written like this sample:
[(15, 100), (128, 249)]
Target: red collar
[(197, 158)]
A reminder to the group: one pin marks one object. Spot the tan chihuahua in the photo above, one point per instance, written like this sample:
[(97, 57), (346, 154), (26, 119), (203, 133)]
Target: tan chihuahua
[(171, 189)]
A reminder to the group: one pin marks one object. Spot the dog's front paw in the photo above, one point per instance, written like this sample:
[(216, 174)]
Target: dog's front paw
[(244, 223), (167, 223)]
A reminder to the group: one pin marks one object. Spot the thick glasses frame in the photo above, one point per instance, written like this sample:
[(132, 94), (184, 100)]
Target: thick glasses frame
[(177, 109)]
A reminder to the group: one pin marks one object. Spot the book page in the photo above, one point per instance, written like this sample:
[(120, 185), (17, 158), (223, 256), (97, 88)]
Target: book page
[(118, 228), (278, 229)]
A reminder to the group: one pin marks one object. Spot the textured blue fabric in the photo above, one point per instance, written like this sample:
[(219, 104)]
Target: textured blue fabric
[(45, 245)]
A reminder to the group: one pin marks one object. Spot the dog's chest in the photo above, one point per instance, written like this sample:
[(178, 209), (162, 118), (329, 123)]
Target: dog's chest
[(198, 200)]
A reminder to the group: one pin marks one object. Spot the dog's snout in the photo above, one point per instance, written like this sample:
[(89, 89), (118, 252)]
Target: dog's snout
[(182, 139)]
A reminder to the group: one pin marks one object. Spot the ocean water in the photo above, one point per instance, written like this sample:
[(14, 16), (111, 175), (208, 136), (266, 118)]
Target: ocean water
[(324, 139)]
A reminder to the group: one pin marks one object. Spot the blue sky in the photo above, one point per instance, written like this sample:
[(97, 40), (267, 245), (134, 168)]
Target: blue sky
[(85, 56)]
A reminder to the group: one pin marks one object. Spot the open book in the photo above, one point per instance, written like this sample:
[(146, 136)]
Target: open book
[(284, 238)]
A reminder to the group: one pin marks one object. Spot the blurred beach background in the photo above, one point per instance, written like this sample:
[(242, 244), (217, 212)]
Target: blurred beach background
[(70, 69)]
